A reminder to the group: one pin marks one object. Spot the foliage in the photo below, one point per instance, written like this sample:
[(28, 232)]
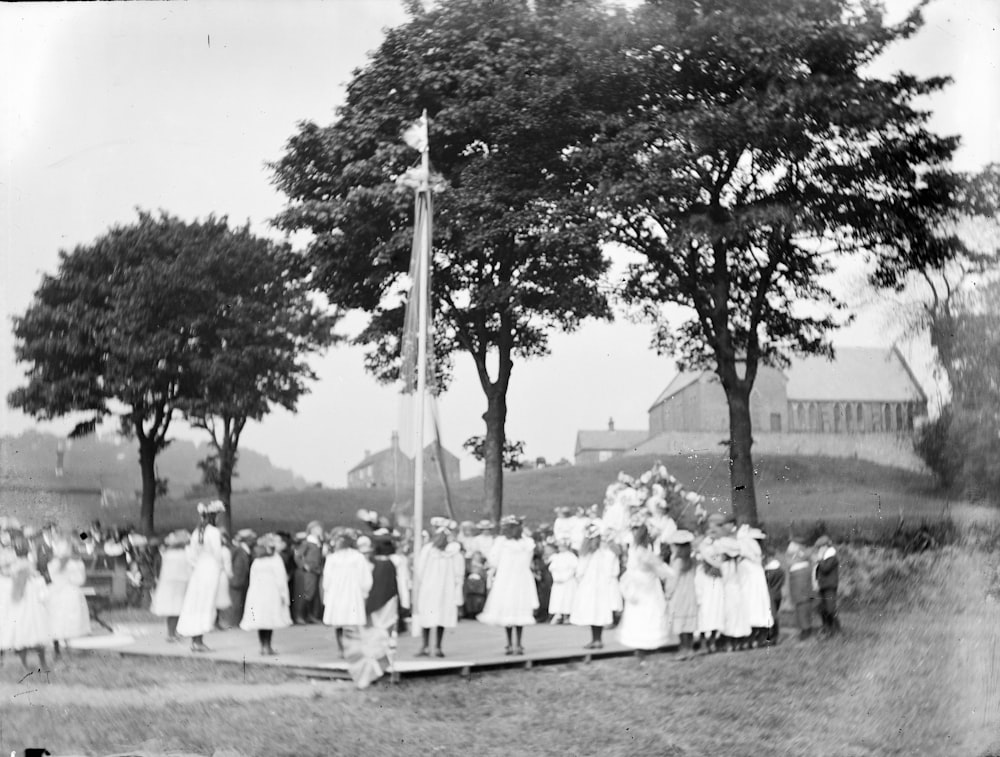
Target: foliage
[(163, 316), (516, 242), (757, 151), (939, 449), (513, 452)]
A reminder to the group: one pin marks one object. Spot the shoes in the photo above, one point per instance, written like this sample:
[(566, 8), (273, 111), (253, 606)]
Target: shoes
[(173, 639), (518, 651), (508, 650), (199, 647), (594, 645), (268, 652), (439, 653), (298, 622), (423, 652)]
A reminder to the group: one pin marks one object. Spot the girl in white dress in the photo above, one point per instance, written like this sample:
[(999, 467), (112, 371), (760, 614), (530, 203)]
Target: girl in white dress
[(562, 567), (513, 598), (440, 574), (25, 623), (708, 585), (67, 606), (756, 597), (171, 584), (682, 599), (223, 601), (735, 624), (267, 603), (347, 579), (644, 624), (596, 587), (205, 557)]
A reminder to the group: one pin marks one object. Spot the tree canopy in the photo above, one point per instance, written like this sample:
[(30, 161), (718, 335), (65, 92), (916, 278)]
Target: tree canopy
[(516, 241), (164, 316), (758, 151)]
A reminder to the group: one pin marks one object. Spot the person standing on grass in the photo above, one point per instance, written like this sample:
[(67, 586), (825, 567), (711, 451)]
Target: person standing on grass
[(596, 585), (708, 584), (513, 597), (66, 604), (562, 567), (827, 580), (25, 626), (440, 573), (223, 600), (171, 585), (757, 600), (774, 573), (347, 579), (800, 587), (204, 554), (308, 567), (683, 601), (267, 601)]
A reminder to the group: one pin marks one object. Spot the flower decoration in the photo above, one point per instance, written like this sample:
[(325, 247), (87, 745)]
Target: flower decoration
[(648, 500)]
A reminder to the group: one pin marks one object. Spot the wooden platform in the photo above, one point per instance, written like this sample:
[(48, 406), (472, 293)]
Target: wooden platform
[(311, 650)]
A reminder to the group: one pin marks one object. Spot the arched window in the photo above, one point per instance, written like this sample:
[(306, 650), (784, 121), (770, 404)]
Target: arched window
[(909, 415), (801, 415), (837, 419), (860, 417), (848, 418), (812, 416), (899, 418), (887, 416)]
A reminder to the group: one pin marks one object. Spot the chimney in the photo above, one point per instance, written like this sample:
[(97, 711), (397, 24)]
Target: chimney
[(611, 424), (368, 453), (395, 439)]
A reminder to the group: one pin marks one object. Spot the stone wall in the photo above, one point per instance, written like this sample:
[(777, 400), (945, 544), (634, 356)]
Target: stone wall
[(886, 449)]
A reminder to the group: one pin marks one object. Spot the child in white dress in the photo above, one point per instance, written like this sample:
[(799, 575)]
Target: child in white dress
[(175, 571), (66, 603), (347, 579), (25, 624), (440, 574), (267, 603), (597, 585), (562, 567), (644, 625), (513, 597)]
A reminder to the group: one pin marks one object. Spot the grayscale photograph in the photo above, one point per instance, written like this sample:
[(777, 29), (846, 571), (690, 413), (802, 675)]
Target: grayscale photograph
[(500, 377)]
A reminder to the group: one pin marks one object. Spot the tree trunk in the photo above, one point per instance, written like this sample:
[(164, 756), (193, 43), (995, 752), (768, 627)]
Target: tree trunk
[(496, 419), (147, 464), (741, 473), (224, 486)]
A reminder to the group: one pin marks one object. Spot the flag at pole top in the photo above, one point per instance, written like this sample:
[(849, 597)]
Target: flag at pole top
[(415, 134)]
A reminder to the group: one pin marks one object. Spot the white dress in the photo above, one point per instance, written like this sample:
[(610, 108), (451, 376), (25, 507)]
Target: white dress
[(222, 599), (756, 597), (25, 622), (267, 602), (735, 624), (198, 610), (708, 591), (596, 588), (168, 596), (644, 623), (440, 575), (347, 579), (562, 567), (513, 597), (69, 615)]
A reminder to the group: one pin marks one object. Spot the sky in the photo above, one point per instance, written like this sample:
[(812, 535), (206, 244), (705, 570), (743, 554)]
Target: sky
[(109, 107)]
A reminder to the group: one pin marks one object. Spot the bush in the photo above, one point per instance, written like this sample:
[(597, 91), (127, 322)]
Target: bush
[(936, 444)]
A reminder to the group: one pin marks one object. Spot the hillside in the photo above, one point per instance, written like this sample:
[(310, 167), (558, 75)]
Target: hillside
[(857, 496), (28, 461)]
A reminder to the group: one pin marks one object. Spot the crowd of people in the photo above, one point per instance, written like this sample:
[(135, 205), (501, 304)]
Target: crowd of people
[(653, 564)]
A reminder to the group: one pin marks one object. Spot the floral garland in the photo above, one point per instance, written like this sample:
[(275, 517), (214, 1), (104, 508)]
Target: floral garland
[(656, 499)]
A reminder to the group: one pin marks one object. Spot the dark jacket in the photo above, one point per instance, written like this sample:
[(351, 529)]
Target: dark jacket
[(828, 570)]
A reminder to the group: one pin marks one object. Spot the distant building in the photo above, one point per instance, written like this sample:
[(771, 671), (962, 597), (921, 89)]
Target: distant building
[(601, 445), (391, 467), (862, 391)]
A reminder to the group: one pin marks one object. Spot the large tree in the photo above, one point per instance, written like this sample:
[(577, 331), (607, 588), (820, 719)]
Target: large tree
[(516, 244), (135, 326), (759, 151), (256, 326)]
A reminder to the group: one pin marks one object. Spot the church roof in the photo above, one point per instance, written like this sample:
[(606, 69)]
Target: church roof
[(856, 374), (861, 374)]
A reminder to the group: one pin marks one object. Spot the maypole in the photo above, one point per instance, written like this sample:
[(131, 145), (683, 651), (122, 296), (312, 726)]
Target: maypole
[(418, 305)]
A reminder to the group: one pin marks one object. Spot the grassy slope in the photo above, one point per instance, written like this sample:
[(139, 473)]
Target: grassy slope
[(799, 489), (862, 695)]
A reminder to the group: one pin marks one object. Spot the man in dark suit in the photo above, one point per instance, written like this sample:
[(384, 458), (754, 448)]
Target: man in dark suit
[(241, 550), (308, 568)]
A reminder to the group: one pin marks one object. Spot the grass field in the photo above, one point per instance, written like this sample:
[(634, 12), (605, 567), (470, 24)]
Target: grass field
[(917, 675), (854, 496)]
